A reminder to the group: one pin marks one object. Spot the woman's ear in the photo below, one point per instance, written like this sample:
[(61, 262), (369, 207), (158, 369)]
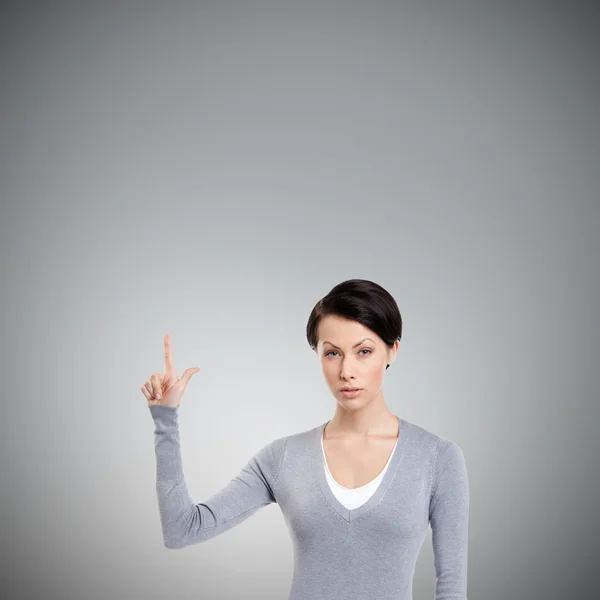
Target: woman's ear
[(392, 352)]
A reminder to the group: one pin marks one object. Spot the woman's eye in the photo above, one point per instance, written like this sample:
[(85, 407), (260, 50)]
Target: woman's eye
[(363, 350)]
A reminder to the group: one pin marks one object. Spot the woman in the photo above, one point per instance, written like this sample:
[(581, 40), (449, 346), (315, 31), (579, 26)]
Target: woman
[(358, 492)]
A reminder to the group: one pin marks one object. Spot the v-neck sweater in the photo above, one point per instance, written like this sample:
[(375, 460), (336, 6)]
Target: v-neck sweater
[(362, 553)]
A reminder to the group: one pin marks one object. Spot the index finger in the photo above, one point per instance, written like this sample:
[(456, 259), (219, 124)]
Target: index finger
[(169, 365)]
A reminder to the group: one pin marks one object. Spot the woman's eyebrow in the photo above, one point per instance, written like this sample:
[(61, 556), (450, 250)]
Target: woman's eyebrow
[(358, 344)]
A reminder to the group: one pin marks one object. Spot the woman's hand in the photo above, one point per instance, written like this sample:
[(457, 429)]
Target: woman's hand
[(166, 388)]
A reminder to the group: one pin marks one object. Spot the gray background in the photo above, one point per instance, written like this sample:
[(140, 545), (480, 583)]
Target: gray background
[(210, 170)]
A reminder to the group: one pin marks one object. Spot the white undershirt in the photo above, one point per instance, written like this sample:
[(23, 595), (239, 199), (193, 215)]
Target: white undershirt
[(353, 497)]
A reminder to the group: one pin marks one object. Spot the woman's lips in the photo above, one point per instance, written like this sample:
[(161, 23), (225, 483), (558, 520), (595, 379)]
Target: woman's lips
[(351, 393)]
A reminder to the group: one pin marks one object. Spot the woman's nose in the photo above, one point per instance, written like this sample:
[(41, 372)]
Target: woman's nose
[(347, 370)]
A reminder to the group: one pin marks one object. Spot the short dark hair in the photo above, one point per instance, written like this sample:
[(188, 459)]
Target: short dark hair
[(363, 301)]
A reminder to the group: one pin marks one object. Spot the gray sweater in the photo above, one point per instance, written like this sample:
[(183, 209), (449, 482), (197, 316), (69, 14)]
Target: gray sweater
[(365, 553)]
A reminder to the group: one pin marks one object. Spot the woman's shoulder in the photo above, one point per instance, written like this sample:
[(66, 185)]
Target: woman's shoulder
[(433, 448), (423, 435), (272, 456), (298, 440)]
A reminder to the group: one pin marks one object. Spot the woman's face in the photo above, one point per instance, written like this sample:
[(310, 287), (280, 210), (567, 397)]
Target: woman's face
[(352, 355)]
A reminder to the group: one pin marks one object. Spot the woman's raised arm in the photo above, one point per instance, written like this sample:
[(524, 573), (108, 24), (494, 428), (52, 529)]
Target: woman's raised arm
[(184, 522)]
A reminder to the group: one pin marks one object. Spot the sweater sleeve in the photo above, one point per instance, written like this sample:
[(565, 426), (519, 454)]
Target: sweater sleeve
[(184, 522), (449, 518)]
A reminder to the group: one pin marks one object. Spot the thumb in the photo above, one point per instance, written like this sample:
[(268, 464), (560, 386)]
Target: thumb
[(187, 375)]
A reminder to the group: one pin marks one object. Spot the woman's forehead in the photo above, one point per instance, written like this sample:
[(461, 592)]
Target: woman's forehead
[(343, 332)]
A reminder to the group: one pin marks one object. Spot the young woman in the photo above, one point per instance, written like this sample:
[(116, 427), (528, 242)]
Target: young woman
[(357, 492)]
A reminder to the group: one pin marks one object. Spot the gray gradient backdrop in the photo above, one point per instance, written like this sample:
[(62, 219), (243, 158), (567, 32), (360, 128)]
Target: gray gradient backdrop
[(211, 170)]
